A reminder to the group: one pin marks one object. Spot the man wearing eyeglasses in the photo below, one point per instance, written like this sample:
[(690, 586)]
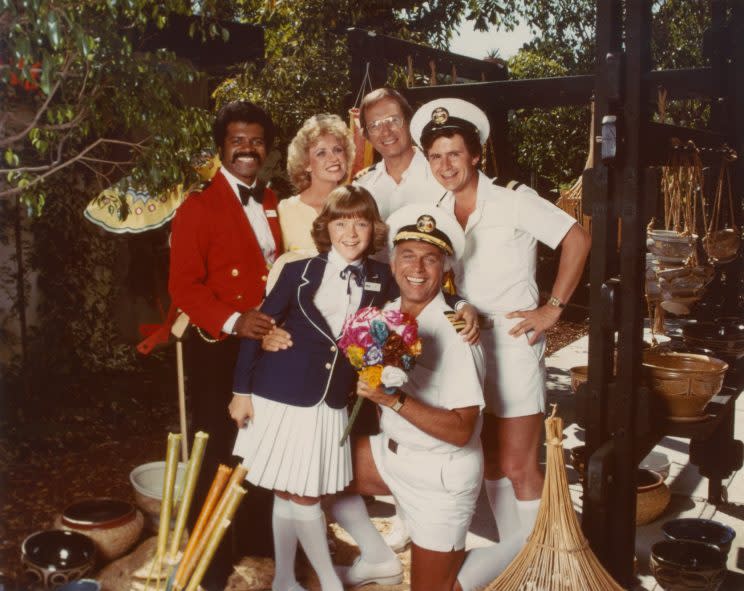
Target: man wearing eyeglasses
[(403, 176)]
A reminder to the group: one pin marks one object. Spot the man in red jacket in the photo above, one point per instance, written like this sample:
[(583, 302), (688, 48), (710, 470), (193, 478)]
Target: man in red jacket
[(224, 239)]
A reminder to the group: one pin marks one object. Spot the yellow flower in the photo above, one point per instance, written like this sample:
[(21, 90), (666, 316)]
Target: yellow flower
[(356, 356), (415, 348), (372, 375)]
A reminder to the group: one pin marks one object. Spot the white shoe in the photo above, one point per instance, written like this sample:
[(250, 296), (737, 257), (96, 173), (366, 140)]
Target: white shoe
[(389, 572), (398, 537)]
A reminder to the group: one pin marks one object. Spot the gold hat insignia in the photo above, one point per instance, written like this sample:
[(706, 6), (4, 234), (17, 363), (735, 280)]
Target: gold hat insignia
[(426, 224), (439, 115)]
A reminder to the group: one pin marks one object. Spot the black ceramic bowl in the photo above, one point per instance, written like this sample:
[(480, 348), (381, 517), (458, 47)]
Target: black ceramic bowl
[(725, 336), (54, 557), (682, 565), (700, 530)]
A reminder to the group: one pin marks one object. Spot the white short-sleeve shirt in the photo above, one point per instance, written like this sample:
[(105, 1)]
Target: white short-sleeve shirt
[(449, 374), (417, 185), (496, 272)]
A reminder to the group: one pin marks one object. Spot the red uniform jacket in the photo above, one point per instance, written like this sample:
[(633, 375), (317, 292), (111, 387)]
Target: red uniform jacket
[(216, 264)]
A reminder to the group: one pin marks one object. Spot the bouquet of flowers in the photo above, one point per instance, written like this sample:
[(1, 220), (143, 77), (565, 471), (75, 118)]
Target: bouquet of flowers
[(382, 345)]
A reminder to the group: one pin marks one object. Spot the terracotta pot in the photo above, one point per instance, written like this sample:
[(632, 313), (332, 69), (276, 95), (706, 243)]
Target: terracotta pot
[(114, 525), (670, 244), (652, 496), (684, 382), (54, 557), (681, 565), (579, 375), (722, 245)]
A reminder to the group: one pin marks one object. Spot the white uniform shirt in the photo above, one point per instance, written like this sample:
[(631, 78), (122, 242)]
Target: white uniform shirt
[(496, 272), (417, 185), (254, 211), (332, 299), (448, 374)]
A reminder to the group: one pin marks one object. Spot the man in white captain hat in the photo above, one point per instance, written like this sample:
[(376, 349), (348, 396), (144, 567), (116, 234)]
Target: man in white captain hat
[(497, 275), (428, 455)]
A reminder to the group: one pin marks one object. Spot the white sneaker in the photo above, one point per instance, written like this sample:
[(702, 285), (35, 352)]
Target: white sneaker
[(389, 572), (398, 537)]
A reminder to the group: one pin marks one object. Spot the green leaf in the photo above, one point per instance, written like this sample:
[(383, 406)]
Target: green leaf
[(53, 30)]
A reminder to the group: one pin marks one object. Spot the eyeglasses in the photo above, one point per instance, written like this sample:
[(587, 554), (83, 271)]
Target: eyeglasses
[(376, 127)]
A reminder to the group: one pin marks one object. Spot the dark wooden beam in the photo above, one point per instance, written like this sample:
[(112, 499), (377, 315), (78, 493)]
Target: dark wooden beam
[(375, 48)]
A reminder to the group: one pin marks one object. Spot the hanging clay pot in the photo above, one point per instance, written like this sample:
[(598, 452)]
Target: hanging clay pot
[(722, 246), (670, 244)]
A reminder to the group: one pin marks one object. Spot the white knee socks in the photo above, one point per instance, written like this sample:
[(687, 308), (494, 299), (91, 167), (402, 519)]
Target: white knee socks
[(504, 507), (311, 531), (483, 565), (528, 515), (351, 513), (285, 546)]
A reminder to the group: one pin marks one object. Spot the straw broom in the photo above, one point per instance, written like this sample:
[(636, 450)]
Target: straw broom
[(557, 556)]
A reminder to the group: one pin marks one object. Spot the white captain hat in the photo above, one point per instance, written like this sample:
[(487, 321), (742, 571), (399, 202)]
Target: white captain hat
[(449, 114), (425, 222)]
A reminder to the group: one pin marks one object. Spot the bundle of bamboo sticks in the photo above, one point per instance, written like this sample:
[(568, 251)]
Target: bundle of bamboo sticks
[(557, 556), (170, 569)]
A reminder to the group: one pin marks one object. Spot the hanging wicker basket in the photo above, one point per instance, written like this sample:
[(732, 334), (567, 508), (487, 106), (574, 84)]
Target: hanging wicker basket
[(722, 244)]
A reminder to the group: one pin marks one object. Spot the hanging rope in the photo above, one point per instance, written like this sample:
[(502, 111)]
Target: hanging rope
[(433, 73), (454, 74), (366, 84), (410, 80), (722, 243)]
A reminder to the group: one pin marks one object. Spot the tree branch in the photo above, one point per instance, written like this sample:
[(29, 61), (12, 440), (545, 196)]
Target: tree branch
[(5, 142), (57, 165)]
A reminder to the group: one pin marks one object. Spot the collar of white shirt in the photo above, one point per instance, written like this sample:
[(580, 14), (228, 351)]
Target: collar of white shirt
[(339, 262), (234, 182)]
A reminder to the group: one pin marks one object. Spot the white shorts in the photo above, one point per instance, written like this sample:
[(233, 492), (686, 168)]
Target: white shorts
[(295, 448), (515, 370), (436, 492)]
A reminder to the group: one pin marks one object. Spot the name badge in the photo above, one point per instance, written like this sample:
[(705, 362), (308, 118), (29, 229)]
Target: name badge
[(271, 213), (372, 286)]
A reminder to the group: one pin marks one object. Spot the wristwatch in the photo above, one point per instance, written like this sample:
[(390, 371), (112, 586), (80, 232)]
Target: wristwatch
[(554, 301), (398, 404)]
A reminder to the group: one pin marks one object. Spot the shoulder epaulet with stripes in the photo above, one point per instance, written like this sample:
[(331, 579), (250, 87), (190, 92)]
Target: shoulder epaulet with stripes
[(364, 171), (458, 325), (511, 185)]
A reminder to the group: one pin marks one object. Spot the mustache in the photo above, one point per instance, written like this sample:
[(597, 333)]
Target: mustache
[(249, 154)]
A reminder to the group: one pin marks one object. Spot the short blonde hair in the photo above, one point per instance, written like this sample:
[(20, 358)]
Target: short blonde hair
[(299, 149), (350, 201)]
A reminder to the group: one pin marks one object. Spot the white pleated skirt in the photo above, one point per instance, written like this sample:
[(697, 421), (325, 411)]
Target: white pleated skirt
[(295, 449)]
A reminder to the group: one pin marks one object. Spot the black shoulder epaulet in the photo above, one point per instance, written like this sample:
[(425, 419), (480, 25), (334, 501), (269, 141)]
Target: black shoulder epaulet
[(511, 185), (364, 171), (457, 324)]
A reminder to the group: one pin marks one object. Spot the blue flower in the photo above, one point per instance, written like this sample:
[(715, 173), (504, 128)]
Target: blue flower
[(407, 361), (373, 355), (379, 331)]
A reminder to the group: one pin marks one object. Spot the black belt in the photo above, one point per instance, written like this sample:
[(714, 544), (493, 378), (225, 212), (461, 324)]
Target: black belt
[(393, 445)]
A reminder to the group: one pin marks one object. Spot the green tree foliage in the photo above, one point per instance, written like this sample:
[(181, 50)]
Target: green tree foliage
[(78, 92)]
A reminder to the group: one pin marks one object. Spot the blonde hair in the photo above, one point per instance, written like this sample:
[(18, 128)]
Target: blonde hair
[(298, 153), (350, 201)]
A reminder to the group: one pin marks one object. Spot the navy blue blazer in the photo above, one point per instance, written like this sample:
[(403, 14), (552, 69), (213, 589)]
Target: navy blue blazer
[(313, 369)]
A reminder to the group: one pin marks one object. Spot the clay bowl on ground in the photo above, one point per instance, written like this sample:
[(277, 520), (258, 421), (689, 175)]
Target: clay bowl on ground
[(682, 565), (725, 336), (579, 375), (684, 382), (147, 481), (113, 524), (700, 530), (652, 496), (55, 557)]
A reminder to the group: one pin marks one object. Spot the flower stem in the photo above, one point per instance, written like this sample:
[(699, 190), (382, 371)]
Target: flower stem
[(352, 418)]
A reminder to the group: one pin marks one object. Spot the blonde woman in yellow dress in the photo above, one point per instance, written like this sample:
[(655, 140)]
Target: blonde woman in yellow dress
[(317, 162)]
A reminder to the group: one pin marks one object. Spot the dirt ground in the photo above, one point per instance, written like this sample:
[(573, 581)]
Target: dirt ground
[(81, 440)]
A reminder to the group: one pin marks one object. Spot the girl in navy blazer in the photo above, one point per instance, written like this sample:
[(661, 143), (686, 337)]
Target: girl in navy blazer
[(294, 400)]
